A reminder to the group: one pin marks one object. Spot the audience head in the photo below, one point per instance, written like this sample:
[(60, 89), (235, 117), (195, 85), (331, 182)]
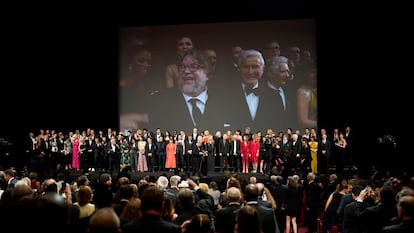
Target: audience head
[(260, 188), (199, 223), (252, 180), (356, 190), (405, 191), (185, 197), (251, 192), (406, 207), (20, 191), (50, 186), (168, 210), (131, 211), (84, 195), (105, 179), (152, 198), (247, 220), (233, 194), (387, 196), (38, 209), (82, 180), (233, 182), (162, 182), (126, 191), (105, 220), (203, 186), (174, 180)]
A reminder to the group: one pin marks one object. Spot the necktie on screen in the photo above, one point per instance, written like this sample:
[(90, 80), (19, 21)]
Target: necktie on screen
[(195, 111), (278, 92)]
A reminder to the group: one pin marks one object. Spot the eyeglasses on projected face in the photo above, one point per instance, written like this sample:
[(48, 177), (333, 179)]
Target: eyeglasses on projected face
[(191, 67)]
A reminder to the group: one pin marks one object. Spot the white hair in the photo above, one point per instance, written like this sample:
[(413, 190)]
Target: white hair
[(162, 182)]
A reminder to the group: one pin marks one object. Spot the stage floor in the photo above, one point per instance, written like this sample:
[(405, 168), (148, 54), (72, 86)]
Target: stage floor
[(136, 176), (220, 177)]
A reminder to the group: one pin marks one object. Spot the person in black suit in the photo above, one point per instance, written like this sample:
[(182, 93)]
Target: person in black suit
[(224, 148), (277, 79), (188, 152), (253, 104), (190, 104), (405, 214), (150, 154), (351, 223), (313, 193), (226, 216), (266, 215), (378, 214), (235, 154), (198, 150), (160, 152), (152, 200), (114, 155)]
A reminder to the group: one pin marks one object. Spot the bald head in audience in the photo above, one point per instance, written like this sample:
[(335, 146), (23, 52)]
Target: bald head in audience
[(105, 220), (251, 192), (233, 194)]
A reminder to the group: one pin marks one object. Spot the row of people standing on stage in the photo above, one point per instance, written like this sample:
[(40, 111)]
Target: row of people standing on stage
[(221, 151)]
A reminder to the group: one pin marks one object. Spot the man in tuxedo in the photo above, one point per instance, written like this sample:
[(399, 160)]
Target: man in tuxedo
[(277, 77), (150, 154), (252, 103), (224, 148), (114, 155), (225, 217), (190, 104)]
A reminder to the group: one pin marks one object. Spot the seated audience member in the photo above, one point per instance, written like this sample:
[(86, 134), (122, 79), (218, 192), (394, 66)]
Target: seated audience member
[(266, 215), (405, 214), (199, 223), (225, 217), (152, 201), (105, 220)]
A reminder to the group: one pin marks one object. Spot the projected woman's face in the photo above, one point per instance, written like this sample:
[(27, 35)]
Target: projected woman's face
[(193, 77), (184, 44), (142, 62)]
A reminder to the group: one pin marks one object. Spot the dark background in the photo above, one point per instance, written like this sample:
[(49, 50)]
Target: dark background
[(60, 67)]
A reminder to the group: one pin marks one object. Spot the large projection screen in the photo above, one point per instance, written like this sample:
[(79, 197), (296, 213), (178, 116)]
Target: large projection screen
[(151, 67)]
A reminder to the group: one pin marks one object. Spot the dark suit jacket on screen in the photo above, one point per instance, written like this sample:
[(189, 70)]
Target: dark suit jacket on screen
[(169, 111)]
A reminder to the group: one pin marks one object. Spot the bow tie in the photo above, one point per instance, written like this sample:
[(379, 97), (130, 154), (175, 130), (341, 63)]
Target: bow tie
[(249, 90)]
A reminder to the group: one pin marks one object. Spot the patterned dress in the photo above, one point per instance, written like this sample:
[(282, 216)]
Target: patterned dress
[(125, 155)]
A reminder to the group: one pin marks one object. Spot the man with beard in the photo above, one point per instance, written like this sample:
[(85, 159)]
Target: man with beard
[(190, 104)]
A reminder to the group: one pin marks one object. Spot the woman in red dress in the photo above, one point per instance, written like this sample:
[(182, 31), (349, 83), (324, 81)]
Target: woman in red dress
[(254, 151), (245, 153), (170, 160)]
